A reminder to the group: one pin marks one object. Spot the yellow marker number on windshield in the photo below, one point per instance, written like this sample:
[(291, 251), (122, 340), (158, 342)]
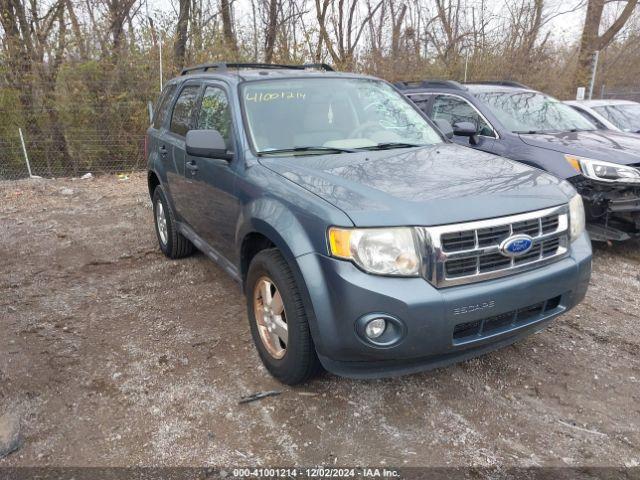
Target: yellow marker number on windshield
[(272, 96)]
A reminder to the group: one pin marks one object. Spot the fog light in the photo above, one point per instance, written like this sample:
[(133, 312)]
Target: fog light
[(375, 327)]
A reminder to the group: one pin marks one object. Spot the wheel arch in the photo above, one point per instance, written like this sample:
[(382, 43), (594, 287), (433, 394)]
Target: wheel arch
[(259, 235), (153, 180)]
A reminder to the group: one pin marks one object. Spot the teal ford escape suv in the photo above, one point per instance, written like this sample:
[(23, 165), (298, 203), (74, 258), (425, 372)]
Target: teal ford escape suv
[(365, 241)]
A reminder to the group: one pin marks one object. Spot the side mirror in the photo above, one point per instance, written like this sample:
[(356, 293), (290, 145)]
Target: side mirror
[(466, 129), (445, 127), (206, 143)]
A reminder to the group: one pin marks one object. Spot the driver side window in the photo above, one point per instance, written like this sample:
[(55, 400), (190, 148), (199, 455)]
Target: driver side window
[(454, 110)]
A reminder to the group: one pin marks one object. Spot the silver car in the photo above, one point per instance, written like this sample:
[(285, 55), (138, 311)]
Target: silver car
[(616, 115)]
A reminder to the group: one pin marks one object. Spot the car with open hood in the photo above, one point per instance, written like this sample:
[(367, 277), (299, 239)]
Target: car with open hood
[(514, 121), (364, 240)]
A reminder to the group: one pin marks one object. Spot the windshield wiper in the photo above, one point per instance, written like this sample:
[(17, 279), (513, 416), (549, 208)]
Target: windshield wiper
[(390, 145), (309, 148)]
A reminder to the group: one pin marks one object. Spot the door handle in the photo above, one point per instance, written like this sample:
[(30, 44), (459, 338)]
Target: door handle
[(192, 166), (163, 150)]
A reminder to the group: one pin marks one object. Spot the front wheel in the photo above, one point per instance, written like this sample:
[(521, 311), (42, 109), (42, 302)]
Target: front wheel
[(278, 320)]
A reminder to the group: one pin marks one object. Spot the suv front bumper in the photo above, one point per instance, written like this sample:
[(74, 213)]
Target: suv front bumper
[(341, 294)]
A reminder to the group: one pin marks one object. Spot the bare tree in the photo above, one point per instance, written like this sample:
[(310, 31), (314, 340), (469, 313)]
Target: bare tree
[(447, 32), (397, 21), (272, 25), (180, 41), (345, 25), (227, 26), (591, 40), (118, 12), (34, 48)]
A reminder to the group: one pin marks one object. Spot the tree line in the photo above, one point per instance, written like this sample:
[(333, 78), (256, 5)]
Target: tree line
[(76, 75)]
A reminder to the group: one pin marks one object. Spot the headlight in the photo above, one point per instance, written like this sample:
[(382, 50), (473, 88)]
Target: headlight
[(604, 171), (383, 251), (576, 217)]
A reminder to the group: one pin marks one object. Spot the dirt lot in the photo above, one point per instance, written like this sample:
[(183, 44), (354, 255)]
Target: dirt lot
[(111, 354)]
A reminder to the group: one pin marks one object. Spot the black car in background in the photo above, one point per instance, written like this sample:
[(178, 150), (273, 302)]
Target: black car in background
[(514, 121)]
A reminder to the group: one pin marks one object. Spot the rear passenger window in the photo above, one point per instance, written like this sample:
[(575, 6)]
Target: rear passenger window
[(454, 110), (183, 110), (214, 113), (163, 105)]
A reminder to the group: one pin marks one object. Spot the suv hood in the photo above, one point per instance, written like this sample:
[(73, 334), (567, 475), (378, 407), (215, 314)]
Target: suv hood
[(426, 186), (618, 147)]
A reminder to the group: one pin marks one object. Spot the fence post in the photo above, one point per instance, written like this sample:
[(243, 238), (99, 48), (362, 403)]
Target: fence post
[(24, 151)]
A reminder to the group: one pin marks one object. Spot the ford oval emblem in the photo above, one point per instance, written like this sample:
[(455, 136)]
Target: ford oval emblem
[(516, 245)]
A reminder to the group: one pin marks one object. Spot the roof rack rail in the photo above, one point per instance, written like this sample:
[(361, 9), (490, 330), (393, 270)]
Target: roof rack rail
[(221, 66), (503, 83), (430, 84)]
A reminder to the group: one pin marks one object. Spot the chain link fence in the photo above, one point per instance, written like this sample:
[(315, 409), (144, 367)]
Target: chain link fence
[(74, 144), (83, 152), (91, 119), (622, 94)]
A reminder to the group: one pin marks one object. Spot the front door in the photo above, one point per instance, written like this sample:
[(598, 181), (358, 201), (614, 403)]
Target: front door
[(213, 209), (173, 148), (456, 109)]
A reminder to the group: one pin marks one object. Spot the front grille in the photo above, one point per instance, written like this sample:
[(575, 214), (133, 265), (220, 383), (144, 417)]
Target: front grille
[(549, 224), (477, 329), (461, 267), (531, 256), (492, 262), (470, 252), (491, 235), (456, 241)]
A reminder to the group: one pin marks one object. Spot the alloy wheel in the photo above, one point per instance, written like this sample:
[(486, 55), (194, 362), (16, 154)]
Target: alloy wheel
[(270, 317), (161, 221)]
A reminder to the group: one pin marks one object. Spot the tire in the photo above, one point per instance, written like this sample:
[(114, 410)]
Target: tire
[(299, 361), (172, 243)]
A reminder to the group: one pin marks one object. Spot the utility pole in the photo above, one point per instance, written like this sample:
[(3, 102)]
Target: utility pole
[(466, 65)]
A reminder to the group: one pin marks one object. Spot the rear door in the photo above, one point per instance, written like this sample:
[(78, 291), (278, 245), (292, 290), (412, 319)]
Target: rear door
[(158, 159), (181, 121), (212, 208)]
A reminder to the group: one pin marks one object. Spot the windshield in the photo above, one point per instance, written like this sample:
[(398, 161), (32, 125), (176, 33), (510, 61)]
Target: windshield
[(317, 115), (625, 117), (532, 112)]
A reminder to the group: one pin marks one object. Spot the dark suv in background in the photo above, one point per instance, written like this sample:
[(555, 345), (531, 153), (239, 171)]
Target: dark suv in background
[(364, 240), (514, 121)]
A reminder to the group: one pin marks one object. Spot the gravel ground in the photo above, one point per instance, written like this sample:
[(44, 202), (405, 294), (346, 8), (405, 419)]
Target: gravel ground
[(112, 355)]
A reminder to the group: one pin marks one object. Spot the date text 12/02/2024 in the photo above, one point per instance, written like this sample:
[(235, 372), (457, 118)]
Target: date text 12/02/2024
[(316, 472)]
